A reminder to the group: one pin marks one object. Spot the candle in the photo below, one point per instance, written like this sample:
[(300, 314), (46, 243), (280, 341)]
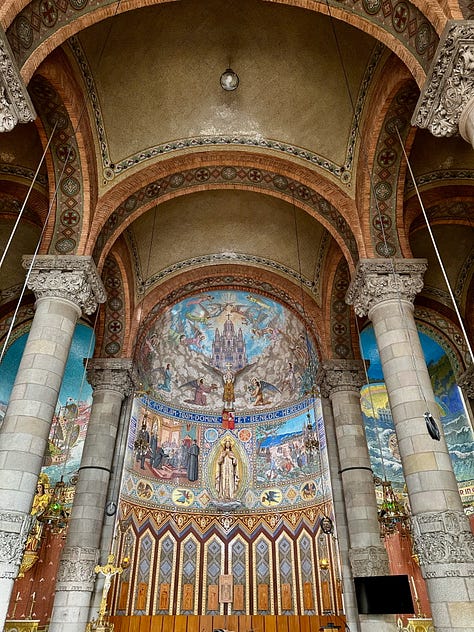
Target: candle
[(414, 587)]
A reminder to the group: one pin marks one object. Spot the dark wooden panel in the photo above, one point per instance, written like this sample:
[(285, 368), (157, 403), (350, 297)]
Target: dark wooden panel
[(293, 623), (304, 623), (282, 623), (258, 623), (245, 623), (122, 605), (271, 623), (157, 623), (134, 625), (233, 623), (193, 624), (145, 623), (205, 623)]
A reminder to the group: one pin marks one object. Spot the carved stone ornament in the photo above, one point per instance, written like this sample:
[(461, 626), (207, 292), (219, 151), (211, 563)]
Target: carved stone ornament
[(450, 82), (111, 374), (378, 280), (73, 278), (369, 561), (76, 568), (466, 381), (15, 103), (14, 529), (340, 375), (444, 544)]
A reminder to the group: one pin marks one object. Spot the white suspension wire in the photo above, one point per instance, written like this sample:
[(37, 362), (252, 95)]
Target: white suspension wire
[(27, 196), (433, 241)]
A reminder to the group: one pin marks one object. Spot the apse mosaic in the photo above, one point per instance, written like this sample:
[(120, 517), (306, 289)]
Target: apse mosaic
[(199, 466), (69, 427), (380, 430), (230, 349)]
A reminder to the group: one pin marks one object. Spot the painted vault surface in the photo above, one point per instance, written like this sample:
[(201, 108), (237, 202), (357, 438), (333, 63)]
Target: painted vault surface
[(189, 348)]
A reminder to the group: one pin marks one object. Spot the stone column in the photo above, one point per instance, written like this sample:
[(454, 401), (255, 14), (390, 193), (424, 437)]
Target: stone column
[(446, 103), (111, 381), (348, 594), (340, 380), (63, 285), (384, 289)]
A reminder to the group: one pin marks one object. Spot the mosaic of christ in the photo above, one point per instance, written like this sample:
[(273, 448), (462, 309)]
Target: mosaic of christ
[(227, 348)]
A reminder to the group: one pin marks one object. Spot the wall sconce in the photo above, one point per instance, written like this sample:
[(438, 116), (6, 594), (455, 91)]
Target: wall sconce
[(229, 80)]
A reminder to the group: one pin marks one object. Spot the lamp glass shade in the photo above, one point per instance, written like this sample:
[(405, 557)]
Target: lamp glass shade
[(229, 80)]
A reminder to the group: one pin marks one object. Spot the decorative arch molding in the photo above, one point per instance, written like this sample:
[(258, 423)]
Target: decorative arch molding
[(233, 171), (237, 277), (113, 321), (340, 318), (448, 335), (410, 32), (388, 174), (67, 174), (455, 207)]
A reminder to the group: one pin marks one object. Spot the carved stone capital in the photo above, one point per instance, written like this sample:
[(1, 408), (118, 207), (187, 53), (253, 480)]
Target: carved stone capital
[(369, 561), (444, 543), (340, 375), (450, 82), (76, 568), (14, 529), (466, 381), (111, 374), (378, 280), (15, 103), (73, 278)]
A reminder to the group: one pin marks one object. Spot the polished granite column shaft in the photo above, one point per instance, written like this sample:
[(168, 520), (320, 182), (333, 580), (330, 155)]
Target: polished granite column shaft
[(340, 381), (64, 287), (384, 289), (111, 380)]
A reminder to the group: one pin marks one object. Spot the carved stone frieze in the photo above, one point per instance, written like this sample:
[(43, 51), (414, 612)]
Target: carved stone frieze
[(466, 381), (70, 277), (15, 103), (450, 82), (76, 568), (340, 375), (116, 374), (369, 561), (378, 280), (14, 529), (444, 543)]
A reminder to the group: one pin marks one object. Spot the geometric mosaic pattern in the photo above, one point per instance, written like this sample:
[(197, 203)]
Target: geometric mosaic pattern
[(285, 565), (341, 343), (214, 567), (112, 343)]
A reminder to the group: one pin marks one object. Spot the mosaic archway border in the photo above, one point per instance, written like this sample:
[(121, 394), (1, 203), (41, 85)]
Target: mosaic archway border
[(43, 25), (226, 174)]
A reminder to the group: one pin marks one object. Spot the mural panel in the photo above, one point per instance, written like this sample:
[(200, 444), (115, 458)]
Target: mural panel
[(379, 424), (227, 350)]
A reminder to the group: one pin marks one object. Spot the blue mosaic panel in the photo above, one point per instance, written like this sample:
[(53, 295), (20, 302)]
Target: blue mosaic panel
[(165, 567), (238, 567), (143, 569), (262, 567), (189, 568), (306, 564), (285, 567), (214, 566)]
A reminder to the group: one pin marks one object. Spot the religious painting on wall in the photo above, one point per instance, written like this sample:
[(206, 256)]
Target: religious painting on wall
[(229, 349), (69, 426), (380, 429)]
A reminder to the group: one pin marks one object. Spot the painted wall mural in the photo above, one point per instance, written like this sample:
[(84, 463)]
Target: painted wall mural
[(379, 425), (69, 427), (202, 466), (229, 349)]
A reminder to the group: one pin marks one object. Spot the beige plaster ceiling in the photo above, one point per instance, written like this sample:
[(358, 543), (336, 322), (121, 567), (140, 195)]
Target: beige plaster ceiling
[(430, 153), (22, 147), (24, 242), (226, 221), (158, 75)]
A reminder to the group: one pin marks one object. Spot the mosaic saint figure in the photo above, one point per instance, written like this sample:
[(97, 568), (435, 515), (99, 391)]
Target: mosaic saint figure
[(227, 472), (229, 394), (193, 462)]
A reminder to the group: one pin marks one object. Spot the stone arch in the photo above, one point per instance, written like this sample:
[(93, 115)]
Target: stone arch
[(326, 202), (410, 32)]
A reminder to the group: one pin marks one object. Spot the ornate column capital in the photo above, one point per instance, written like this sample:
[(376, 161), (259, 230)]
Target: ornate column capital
[(111, 374), (340, 375), (444, 543), (466, 381), (450, 82), (369, 561), (14, 529), (71, 277), (378, 280), (15, 103), (76, 568)]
